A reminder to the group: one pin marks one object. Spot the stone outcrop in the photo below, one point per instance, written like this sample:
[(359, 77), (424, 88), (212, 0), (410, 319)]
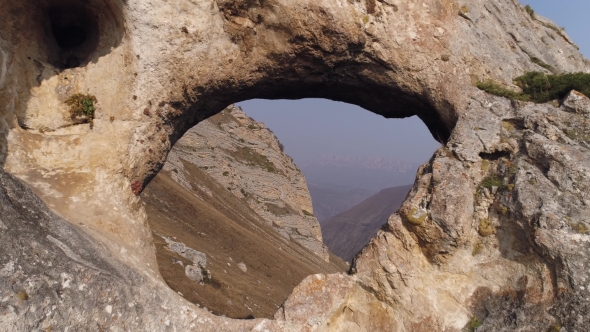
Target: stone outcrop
[(479, 235), (197, 270), (246, 158), (54, 276), (493, 233)]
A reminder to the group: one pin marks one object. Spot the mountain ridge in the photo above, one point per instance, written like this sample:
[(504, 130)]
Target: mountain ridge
[(348, 232)]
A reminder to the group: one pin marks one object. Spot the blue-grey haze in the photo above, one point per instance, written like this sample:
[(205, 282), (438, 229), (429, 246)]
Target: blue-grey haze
[(311, 127)]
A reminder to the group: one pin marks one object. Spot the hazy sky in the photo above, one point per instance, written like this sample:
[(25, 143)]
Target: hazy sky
[(311, 127)]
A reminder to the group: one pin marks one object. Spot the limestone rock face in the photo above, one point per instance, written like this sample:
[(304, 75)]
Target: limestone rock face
[(53, 276), (247, 159), (494, 231), (518, 248)]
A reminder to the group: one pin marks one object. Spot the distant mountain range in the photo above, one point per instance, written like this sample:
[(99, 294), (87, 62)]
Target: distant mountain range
[(370, 173), (367, 162), (330, 199), (337, 183), (347, 233)]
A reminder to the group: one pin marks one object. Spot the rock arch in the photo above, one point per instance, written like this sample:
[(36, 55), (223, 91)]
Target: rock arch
[(157, 68)]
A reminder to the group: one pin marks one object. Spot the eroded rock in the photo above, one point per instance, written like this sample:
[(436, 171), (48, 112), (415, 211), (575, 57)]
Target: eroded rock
[(158, 68)]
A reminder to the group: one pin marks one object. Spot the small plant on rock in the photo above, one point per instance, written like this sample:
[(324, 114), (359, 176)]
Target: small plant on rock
[(530, 11), (82, 107), (581, 228), (22, 295), (209, 280), (540, 62), (492, 181), (496, 89), (477, 249), (473, 324), (539, 87), (486, 228)]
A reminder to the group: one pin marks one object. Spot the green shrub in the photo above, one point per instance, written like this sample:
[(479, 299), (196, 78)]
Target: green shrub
[(543, 88), (226, 173), (81, 106), (496, 89), (416, 217), (540, 87), (280, 211), (530, 11), (250, 157), (492, 181), (539, 62)]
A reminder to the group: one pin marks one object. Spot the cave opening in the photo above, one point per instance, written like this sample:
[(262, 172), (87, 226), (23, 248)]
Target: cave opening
[(238, 196), (68, 28), (72, 33)]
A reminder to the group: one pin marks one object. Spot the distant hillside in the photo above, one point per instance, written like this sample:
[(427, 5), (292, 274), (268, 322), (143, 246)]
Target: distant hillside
[(331, 199), (347, 233), (246, 158), (214, 210)]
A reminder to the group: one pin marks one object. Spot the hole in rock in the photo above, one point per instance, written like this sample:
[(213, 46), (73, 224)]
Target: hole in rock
[(63, 33), (494, 155), (233, 223), (74, 33), (69, 32)]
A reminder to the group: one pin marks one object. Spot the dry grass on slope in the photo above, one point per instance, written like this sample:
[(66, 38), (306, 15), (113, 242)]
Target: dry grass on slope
[(222, 226)]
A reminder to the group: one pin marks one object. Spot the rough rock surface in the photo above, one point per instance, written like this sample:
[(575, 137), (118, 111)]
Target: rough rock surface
[(195, 271), (53, 276), (198, 258), (247, 159), (158, 68)]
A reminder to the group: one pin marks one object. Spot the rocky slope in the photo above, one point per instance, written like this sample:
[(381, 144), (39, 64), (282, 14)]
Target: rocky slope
[(246, 159), (253, 255), (348, 232), (464, 250)]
